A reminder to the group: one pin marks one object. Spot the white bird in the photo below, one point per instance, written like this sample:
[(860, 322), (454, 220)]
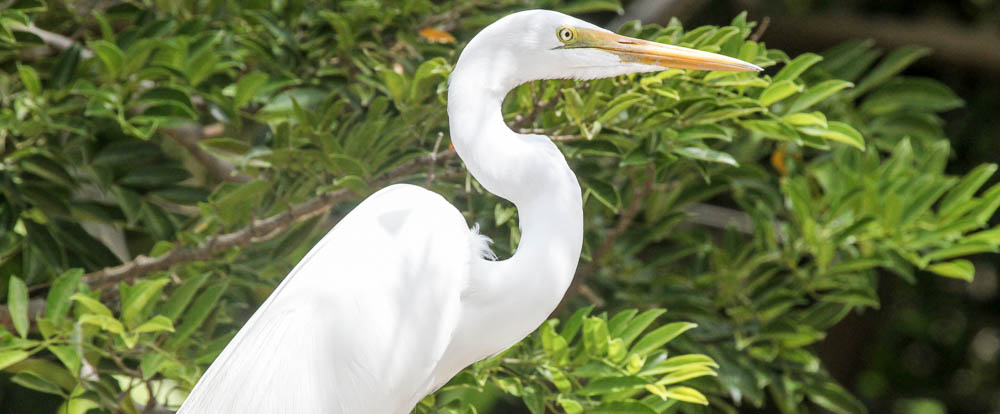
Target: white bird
[(401, 295)]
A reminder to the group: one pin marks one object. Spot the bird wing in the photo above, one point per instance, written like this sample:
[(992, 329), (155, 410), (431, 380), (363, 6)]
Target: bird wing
[(359, 324)]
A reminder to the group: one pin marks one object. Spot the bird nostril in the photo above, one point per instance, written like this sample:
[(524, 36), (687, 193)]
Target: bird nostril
[(626, 42)]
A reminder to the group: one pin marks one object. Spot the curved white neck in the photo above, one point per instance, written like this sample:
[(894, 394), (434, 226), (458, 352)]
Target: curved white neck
[(508, 299)]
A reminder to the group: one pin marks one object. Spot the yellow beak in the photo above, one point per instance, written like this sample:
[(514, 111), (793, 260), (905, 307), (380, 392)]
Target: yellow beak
[(658, 54)]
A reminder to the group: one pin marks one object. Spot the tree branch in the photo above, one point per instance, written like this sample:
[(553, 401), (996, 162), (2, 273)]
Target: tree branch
[(188, 135), (55, 40), (951, 43)]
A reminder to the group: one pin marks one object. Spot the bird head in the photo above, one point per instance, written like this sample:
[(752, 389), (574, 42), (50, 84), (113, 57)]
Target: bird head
[(543, 44)]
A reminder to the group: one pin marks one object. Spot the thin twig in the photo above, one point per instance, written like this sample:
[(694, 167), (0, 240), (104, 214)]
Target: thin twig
[(189, 135), (430, 174), (523, 121), (55, 40), (766, 21)]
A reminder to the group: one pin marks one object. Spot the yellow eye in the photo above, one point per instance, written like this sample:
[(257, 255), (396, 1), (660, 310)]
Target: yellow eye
[(566, 34)]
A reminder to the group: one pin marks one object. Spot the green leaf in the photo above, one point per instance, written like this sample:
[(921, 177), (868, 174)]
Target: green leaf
[(991, 236), (911, 93), (182, 194), (105, 322), (622, 407), (554, 345), (816, 93), (617, 350), (151, 364), (234, 146), (619, 104), (793, 69), (772, 128), (806, 119), (724, 114), (606, 193), (686, 374), (834, 398), (595, 336), (639, 324), (679, 363), (50, 372), (397, 84), (570, 406), (891, 66), (427, 76), (660, 336), (958, 269), (92, 305), (158, 323), (704, 132), (686, 394), (558, 378), (236, 203), (837, 131), (59, 299), (573, 324), (612, 385), (705, 154), (618, 323), (592, 6), (69, 356), (34, 382), (48, 169), (247, 87), (11, 357), (203, 305), (778, 91), (27, 5), (154, 176), (966, 188), (126, 153), (136, 297), (111, 56), (30, 79), (63, 69), (965, 249), (17, 305), (534, 399)]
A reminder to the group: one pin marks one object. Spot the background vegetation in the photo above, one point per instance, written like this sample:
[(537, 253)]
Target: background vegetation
[(164, 164)]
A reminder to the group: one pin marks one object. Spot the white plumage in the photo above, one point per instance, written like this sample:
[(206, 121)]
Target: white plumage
[(328, 338), (399, 296)]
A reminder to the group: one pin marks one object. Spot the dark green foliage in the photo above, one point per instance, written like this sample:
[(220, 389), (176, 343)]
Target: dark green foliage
[(170, 127)]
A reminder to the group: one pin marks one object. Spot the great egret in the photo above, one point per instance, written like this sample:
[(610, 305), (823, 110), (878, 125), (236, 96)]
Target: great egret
[(401, 295)]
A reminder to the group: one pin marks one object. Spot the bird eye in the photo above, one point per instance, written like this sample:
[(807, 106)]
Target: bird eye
[(565, 34)]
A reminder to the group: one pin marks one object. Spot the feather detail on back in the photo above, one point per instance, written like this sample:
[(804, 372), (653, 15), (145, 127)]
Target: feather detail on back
[(481, 244)]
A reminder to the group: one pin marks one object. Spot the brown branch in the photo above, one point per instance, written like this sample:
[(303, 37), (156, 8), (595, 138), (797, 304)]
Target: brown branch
[(188, 136), (766, 21), (55, 40), (430, 174), (953, 44), (258, 230)]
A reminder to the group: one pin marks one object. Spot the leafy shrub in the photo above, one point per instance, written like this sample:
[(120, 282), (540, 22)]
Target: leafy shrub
[(165, 164)]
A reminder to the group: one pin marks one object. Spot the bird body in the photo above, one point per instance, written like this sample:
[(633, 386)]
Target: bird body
[(401, 295), (328, 339)]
